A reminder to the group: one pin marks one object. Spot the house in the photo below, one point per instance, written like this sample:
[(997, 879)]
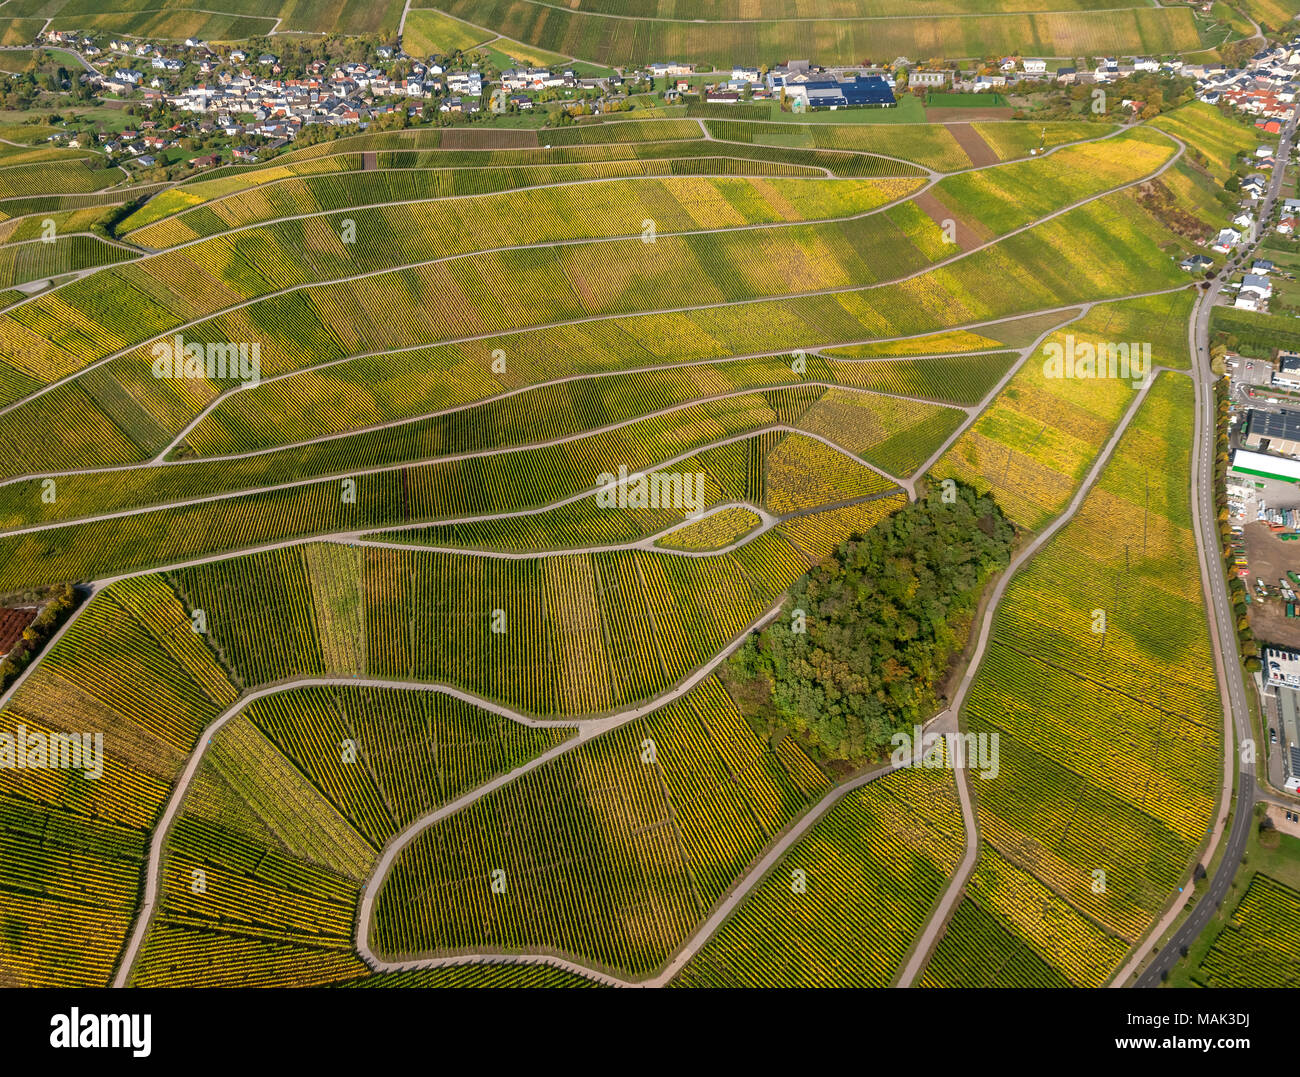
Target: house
[(1066, 75), (745, 74), (662, 70), (1253, 282), (1288, 372), (1262, 266), (209, 160), (1197, 262), (1287, 225), (1035, 67)]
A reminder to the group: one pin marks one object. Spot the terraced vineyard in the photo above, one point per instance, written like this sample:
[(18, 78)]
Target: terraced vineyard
[(423, 484), (767, 32), (844, 905)]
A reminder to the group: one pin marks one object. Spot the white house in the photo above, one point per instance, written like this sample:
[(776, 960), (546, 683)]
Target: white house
[(1035, 67), (1227, 240)]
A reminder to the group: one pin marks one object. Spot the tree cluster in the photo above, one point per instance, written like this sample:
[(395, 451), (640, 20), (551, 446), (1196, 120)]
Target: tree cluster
[(872, 633)]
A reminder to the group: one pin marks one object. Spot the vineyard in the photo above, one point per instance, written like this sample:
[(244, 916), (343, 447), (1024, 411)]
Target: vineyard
[(1104, 768), (609, 853), (545, 424), (74, 848), (1260, 946), (281, 825), (842, 907), (592, 35), (117, 413)]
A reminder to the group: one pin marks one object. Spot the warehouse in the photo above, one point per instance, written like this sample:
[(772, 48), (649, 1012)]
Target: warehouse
[(861, 91), (1273, 431)]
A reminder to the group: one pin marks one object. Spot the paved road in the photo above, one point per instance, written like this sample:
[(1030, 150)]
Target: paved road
[(1224, 636)]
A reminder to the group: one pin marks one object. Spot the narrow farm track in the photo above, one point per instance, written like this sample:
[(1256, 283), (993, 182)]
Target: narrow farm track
[(972, 413), (622, 238), (161, 458), (651, 542)]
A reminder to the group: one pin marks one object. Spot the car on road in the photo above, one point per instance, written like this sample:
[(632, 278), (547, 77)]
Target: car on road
[(1272, 735)]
